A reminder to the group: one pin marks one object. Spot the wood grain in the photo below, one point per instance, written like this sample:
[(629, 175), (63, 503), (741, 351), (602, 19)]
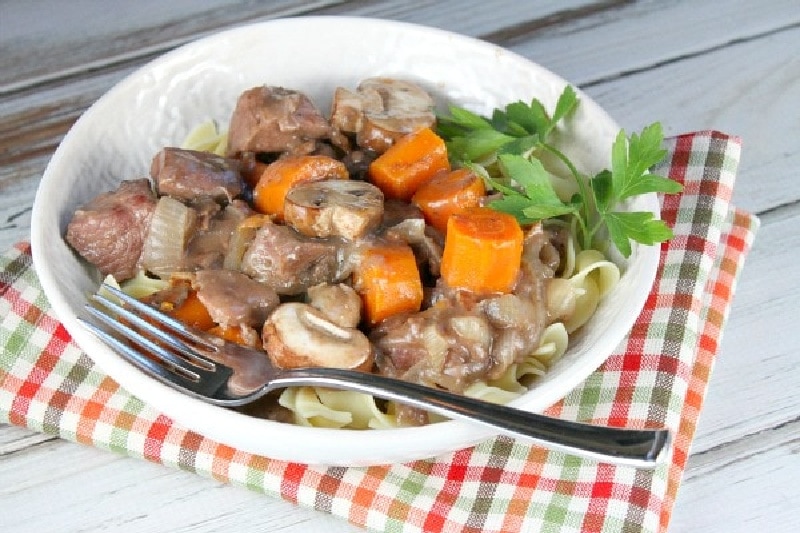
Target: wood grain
[(727, 65)]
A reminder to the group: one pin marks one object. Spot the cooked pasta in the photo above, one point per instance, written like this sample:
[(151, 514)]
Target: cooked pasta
[(206, 137), (593, 278), (141, 285), (321, 407)]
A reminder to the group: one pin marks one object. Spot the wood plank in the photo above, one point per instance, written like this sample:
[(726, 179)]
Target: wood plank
[(66, 106), (743, 485), (14, 439), (646, 35), (68, 102), (94, 34), (662, 93), (477, 18), (677, 94), (91, 33), (129, 496)]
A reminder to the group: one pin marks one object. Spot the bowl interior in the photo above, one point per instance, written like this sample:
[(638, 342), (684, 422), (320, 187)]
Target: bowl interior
[(156, 106)]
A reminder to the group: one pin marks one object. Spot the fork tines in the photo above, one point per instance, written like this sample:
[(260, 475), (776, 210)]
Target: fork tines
[(156, 343)]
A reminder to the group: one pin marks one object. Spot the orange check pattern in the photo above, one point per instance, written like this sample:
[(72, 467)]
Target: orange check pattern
[(657, 376)]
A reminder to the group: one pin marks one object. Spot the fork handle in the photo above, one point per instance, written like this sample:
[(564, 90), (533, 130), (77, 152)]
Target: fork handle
[(637, 447)]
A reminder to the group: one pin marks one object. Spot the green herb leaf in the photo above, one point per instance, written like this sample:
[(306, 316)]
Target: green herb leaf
[(477, 144), (515, 205), (530, 175), (467, 119), (521, 114), (521, 145), (543, 212), (618, 235), (543, 202), (651, 183), (639, 226), (566, 103), (511, 139), (619, 163), (632, 158), (602, 190), (500, 121)]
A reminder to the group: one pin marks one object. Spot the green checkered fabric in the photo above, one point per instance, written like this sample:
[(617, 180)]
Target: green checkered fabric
[(657, 376)]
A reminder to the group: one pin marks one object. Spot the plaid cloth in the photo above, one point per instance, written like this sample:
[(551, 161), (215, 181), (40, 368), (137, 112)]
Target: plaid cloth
[(657, 376)]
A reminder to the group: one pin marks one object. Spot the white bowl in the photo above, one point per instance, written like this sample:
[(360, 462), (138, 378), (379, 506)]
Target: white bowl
[(157, 105)]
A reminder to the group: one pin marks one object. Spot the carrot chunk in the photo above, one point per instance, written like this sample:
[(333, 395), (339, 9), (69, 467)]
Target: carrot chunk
[(409, 163), (277, 178), (192, 312), (447, 193), (388, 281), (482, 251), (229, 333)]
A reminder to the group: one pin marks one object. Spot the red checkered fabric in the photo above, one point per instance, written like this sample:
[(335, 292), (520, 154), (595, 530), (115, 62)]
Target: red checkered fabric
[(657, 376)]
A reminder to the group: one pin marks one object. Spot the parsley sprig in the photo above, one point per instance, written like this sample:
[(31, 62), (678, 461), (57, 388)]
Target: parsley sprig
[(511, 151)]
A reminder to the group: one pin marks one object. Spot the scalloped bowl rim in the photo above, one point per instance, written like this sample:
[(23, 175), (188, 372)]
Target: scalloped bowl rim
[(66, 281)]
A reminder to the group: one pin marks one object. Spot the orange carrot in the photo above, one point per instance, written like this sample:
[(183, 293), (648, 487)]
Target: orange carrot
[(192, 312), (229, 333), (277, 178), (447, 193), (388, 281), (409, 163), (482, 251)]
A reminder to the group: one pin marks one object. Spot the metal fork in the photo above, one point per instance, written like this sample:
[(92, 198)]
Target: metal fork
[(227, 374)]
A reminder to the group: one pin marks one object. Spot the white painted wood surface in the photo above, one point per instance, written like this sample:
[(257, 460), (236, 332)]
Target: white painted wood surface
[(728, 65)]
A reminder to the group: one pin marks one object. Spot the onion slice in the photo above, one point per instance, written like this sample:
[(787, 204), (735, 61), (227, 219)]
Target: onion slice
[(165, 245)]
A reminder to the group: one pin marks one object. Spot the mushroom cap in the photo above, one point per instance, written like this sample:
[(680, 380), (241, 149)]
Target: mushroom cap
[(381, 111), (297, 335), (334, 208)]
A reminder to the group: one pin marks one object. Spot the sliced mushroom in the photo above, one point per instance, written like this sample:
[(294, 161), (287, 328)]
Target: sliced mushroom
[(381, 111), (297, 335), (334, 208), (347, 110), (339, 302)]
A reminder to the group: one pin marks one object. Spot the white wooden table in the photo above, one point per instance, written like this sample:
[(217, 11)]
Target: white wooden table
[(728, 65)]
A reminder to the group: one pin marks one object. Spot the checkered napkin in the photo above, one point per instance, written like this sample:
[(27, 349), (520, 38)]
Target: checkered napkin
[(657, 376)]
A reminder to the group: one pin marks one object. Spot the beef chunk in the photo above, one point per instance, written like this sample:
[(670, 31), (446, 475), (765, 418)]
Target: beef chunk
[(233, 299), (289, 262), (110, 230), (274, 119), (441, 346), (189, 175)]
